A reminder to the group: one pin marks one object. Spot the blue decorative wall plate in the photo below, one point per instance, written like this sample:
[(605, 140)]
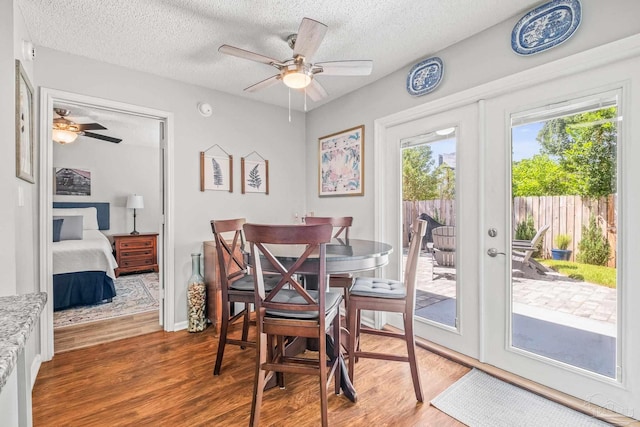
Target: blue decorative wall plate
[(425, 76), (546, 26)]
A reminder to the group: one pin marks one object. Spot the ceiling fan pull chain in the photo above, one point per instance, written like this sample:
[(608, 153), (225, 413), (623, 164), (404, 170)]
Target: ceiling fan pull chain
[(305, 99), (289, 105)]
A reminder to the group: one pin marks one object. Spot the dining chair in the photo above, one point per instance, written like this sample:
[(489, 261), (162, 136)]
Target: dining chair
[(290, 310), (341, 226), (391, 296), (236, 284)]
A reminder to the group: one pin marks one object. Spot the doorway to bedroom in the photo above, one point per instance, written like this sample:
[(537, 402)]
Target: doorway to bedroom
[(114, 169)]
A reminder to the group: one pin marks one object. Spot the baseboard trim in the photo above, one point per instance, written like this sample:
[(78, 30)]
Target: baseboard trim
[(178, 326), (35, 368)]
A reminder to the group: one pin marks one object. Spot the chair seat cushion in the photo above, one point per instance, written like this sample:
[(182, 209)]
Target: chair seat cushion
[(331, 301), (246, 283), (379, 288)]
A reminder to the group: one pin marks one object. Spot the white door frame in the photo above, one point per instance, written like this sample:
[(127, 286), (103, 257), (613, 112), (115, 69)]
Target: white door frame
[(47, 98)]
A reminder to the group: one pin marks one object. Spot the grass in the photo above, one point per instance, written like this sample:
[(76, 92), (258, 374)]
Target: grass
[(604, 276)]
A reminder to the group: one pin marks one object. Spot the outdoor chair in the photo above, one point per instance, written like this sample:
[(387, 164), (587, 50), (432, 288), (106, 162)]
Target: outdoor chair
[(391, 296), (522, 250)]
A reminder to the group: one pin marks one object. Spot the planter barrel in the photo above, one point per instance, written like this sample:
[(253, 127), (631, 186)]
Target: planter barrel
[(561, 254)]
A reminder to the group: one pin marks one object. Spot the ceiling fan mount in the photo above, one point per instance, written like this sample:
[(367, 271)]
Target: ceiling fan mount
[(298, 72), (66, 131)]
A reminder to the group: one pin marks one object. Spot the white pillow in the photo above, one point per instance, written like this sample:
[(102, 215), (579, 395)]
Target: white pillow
[(89, 216)]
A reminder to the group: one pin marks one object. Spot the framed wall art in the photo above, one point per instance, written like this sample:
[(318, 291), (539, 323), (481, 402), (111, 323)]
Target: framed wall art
[(216, 170), (341, 163), (255, 174), (72, 182), (25, 167)]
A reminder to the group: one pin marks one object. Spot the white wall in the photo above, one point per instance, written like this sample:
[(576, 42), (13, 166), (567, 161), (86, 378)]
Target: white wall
[(8, 180), (469, 63), (239, 125), (118, 170)]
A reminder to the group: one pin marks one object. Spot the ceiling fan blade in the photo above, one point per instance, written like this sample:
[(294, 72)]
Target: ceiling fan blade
[(315, 91), (102, 137), (90, 126), (310, 35), (345, 68), (263, 84), (245, 54)]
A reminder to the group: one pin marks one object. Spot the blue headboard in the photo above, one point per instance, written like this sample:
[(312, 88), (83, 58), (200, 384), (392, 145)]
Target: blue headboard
[(102, 207)]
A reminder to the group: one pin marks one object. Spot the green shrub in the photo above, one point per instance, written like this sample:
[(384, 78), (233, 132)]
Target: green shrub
[(526, 231), (563, 241), (593, 248)]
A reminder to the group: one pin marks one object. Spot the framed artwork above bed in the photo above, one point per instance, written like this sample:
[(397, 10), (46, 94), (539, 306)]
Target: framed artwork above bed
[(72, 182)]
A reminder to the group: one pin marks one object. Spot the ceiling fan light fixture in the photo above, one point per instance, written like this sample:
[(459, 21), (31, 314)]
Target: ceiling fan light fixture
[(297, 78), (62, 136)]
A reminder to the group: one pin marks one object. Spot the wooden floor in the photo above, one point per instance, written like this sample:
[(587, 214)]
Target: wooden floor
[(165, 379), (90, 334)]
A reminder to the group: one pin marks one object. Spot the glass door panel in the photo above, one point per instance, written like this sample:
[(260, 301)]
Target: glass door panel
[(428, 193), (564, 188)]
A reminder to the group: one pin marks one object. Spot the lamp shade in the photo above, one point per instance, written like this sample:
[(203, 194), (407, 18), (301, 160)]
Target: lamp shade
[(135, 202)]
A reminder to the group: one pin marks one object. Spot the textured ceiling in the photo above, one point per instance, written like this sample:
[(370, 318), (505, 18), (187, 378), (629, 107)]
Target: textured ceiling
[(179, 39)]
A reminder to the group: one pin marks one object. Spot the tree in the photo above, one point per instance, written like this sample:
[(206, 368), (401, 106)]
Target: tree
[(541, 176), (418, 176), (585, 146)]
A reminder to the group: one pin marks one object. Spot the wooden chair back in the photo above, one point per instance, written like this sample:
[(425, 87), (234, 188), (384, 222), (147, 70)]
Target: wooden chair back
[(230, 256), (314, 239), (418, 228), (342, 223)]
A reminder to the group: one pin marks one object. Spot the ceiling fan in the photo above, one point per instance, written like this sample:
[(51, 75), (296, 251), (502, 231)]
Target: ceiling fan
[(298, 72), (66, 131)]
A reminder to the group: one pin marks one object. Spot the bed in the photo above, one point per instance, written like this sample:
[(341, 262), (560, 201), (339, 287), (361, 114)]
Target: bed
[(83, 262)]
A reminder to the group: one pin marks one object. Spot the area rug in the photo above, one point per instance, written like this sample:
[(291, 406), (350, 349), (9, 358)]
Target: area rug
[(134, 294), (480, 400)]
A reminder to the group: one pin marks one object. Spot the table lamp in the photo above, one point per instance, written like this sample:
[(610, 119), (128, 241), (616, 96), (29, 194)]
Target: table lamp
[(135, 202)]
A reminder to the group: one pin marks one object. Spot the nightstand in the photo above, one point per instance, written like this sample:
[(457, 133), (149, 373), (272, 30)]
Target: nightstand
[(136, 253)]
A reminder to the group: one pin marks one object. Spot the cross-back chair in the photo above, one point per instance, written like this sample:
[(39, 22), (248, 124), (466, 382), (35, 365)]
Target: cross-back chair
[(236, 284), (390, 296), (341, 227), (290, 310)]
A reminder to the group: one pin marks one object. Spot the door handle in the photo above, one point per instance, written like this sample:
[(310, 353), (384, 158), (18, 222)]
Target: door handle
[(493, 252)]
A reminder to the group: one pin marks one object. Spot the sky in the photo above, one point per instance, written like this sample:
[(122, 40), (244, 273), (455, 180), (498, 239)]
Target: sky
[(524, 142)]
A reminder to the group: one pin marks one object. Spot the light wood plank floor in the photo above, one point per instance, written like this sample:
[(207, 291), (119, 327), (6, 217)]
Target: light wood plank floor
[(89, 334), (165, 379)]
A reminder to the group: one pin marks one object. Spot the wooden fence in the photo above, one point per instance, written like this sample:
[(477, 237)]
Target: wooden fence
[(564, 214)]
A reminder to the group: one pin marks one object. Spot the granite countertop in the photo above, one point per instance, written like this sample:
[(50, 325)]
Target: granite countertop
[(18, 315)]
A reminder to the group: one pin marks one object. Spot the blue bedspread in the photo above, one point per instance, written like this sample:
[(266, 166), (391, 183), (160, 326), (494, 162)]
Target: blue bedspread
[(83, 288)]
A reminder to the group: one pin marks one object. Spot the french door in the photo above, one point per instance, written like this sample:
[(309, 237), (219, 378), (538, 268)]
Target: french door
[(448, 285), (495, 319), (578, 348)]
